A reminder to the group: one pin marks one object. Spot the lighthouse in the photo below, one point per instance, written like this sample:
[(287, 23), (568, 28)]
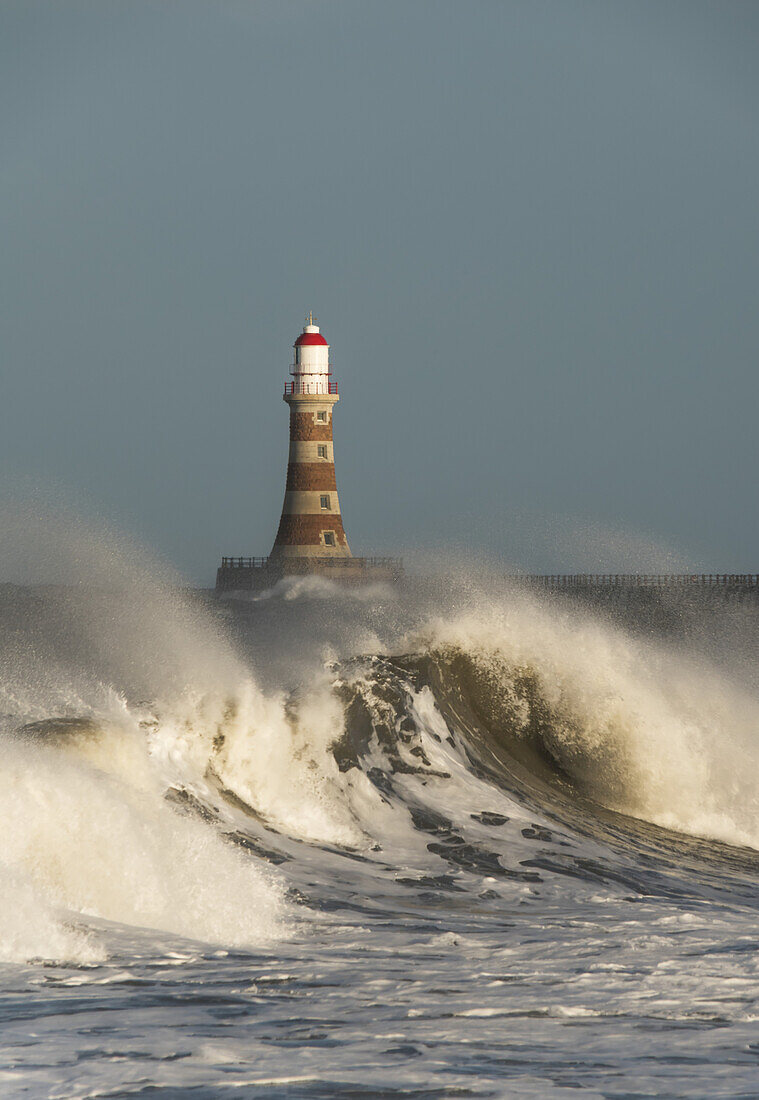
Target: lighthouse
[(310, 537), (311, 524)]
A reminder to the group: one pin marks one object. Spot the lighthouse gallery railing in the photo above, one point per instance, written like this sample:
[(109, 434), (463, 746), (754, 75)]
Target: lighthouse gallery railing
[(315, 389)]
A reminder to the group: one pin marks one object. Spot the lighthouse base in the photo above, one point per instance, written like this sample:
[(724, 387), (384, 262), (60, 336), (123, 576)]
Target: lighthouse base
[(255, 574)]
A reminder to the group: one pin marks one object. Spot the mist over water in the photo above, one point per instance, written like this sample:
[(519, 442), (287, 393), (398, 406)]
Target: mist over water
[(368, 824)]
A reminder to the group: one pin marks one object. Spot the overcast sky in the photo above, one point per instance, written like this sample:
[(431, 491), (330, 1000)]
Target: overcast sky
[(529, 230)]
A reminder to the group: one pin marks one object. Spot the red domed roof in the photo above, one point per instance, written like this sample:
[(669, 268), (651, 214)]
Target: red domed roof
[(309, 339)]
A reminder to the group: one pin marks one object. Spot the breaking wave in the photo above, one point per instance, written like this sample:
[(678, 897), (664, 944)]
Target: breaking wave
[(589, 709), (153, 780)]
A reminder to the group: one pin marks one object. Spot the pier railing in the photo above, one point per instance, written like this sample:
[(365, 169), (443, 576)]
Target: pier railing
[(321, 562), (540, 580), (642, 580)]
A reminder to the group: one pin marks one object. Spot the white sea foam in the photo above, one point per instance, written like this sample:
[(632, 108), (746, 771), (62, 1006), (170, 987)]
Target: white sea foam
[(271, 752), (315, 587), (33, 927), (99, 841), (85, 825)]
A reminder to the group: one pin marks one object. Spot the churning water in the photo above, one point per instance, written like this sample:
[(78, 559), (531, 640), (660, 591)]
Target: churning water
[(439, 841)]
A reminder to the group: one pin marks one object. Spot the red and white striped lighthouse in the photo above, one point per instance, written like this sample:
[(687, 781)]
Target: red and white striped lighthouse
[(311, 525)]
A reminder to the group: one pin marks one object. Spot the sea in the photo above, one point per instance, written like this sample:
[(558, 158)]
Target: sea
[(449, 838)]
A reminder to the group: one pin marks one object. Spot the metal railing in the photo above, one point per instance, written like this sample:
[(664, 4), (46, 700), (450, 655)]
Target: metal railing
[(314, 389), (328, 562), (552, 580), (642, 580), (244, 563)]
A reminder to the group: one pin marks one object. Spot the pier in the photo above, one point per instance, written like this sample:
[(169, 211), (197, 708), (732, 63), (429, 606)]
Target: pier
[(658, 598), (747, 581), (240, 574)]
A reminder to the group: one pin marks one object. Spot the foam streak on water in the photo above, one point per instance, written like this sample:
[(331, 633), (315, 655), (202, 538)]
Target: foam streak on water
[(456, 845)]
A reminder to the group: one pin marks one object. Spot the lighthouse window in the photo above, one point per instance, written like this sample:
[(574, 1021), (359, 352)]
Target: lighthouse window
[(325, 502), (329, 538), (322, 450), (321, 415)]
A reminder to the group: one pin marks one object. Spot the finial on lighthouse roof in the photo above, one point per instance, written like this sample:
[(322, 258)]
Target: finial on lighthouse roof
[(310, 336)]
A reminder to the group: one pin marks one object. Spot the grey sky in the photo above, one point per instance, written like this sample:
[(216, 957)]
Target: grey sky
[(529, 231)]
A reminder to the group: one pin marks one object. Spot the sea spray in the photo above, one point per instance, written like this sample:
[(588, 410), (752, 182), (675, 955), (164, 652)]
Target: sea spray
[(644, 729), (105, 843), (87, 829)]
